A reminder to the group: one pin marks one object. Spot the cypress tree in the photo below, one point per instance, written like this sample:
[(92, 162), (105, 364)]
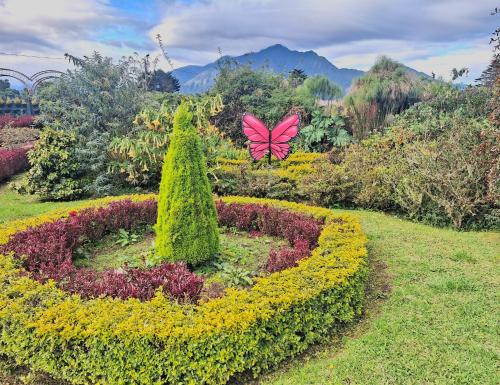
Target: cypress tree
[(186, 229)]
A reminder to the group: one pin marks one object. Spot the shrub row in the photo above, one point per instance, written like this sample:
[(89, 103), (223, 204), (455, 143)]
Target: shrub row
[(16, 121), (114, 341), (302, 232), (47, 251), (13, 161)]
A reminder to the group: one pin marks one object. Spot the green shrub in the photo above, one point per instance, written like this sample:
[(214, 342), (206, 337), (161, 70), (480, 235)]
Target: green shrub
[(328, 185), (186, 229), (55, 171), (110, 341)]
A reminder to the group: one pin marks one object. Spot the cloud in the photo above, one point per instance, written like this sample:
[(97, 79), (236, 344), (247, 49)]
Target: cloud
[(53, 27), (318, 23), (430, 35)]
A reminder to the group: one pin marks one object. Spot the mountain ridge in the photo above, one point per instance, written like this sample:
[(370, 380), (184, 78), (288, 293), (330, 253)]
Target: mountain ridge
[(276, 58)]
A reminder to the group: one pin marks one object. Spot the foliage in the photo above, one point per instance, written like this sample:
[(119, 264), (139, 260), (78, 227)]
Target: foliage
[(243, 177), (320, 88), (287, 257), (55, 171), (324, 132), (254, 329), (126, 238), (16, 121), (437, 163), (451, 178), (97, 101), (387, 89), (296, 77), (164, 82), (186, 228), (139, 155), (234, 276), (264, 94), (13, 161), (6, 90), (56, 242)]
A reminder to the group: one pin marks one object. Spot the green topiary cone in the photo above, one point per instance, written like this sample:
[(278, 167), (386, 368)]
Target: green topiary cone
[(186, 229)]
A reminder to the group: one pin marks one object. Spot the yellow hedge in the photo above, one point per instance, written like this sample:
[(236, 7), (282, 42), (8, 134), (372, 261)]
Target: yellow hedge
[(112, 341)]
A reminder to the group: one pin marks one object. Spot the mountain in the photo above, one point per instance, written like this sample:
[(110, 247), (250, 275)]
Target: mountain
[(276, 58)]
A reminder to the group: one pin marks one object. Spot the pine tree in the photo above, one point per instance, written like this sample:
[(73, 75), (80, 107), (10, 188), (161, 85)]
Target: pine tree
[(186, 229)]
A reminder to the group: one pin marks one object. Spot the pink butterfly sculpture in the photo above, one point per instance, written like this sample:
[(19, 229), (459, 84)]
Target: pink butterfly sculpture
[(263, 141)]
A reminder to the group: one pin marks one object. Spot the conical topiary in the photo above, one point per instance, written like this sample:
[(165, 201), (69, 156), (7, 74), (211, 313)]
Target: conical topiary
[(186, 229)]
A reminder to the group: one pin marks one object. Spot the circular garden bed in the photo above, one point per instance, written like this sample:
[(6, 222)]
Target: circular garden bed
[(173, 323)]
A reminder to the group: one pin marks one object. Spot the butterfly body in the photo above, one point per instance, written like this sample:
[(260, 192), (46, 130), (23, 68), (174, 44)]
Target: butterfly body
[(266, 142)]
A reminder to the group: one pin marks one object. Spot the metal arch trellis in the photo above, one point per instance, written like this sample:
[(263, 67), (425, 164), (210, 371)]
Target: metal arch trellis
[(30, 82)]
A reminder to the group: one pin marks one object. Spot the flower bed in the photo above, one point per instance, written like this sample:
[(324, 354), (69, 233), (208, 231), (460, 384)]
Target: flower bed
[(47, 250), (114, 341), (13, 161)]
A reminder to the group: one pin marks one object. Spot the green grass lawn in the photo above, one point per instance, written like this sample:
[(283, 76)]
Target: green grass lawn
[(432, 316), (15, 206), (439, 323)]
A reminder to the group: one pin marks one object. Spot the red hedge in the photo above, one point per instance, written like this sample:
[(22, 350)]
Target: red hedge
[(16, 121), (13, 161), (47, 250)]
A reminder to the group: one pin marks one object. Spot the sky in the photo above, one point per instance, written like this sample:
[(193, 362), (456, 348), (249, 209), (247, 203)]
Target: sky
[(428, 35)]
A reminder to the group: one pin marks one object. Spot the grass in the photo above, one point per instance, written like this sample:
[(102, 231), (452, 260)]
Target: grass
[(438, 325), (15, 206), (432, 315), (241, 254)]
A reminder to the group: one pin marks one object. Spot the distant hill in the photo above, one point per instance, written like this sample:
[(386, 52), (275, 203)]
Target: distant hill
[(276, 58)]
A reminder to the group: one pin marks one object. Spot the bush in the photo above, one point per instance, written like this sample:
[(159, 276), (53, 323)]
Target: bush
[(13, 161), (186, 229), (47, 251), (16, 121), (287, 257), (55, 172), (111, 341), (15, 137)]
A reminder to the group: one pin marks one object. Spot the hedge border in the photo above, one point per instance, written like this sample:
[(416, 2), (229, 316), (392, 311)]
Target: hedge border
[(111, 341)]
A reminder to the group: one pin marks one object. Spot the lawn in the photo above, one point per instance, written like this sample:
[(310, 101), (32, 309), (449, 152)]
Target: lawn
[(439, 323), (15, 206), (432, 316)]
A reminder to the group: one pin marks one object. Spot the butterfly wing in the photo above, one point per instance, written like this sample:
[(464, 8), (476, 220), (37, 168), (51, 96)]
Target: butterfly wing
[(280, 150), (258, 134), (258, 150), (282, 133)]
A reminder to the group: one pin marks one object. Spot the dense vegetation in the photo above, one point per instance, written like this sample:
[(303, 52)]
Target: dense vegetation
[(396, 142)]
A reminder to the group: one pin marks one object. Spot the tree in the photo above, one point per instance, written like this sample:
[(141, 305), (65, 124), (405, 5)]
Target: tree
[(296, 77), (6, 91), (186, 229), (164, 82), (96, 101), (387, 89), (265, 94), (4, 84), (320, 88)]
